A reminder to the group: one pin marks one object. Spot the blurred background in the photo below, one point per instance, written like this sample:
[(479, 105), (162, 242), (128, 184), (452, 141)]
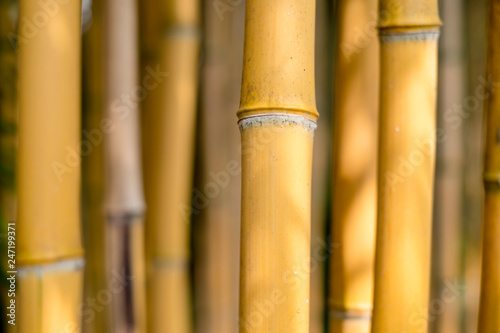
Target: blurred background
[(213, 268)]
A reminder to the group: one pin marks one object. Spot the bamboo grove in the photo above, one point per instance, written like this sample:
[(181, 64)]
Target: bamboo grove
[(251, 166)]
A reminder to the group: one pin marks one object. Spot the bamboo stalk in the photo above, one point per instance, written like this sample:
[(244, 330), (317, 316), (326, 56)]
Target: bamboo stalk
[(472, 141), (216, 236), (8, 113), (8, 144), (49, 251), (124, 199), (94, 223), (321, 164), (171, 47), (408, 35), (354, 175), (448, 236), (489, 307), (277, 120)]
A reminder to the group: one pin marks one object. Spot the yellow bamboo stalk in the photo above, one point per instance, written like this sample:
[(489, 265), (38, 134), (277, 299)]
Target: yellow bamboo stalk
[(408, 34), (216, 238), (49, 252), (172, 50), (124, 199), (489, 307), (354, 175), (94, 223), (277, 121)]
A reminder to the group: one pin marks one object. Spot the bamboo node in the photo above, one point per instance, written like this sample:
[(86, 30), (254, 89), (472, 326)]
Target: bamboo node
[(491, 180), (246, 112), (62, 265), (277, 119), (350, 314), (396, 35)]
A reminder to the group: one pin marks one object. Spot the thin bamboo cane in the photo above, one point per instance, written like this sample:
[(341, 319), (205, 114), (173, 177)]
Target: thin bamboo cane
[(489, 308), (124, 200), (216, 236), (321, 166), (408, 33), (94, 223), (8, 113), (447, 242), (472, 142), (8, 143), (354, 175), (49, 252), (172, 50), (277, 121)]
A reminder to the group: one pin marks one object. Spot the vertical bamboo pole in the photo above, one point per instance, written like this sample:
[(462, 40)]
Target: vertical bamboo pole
[(448, 236), (321, 165), (408, 33), (8, 113), (94, 223), (172, 51), (277, 120), (489, 308), (8, 143), (49, 251), (124, 201), (472, 142), (216, 235), (354, 175)]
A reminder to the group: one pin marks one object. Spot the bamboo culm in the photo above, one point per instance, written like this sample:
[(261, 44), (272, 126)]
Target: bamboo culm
[(407, 136)]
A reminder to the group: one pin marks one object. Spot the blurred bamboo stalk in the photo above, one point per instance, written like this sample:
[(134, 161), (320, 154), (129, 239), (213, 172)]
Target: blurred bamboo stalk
[(408, 33), (94, 222), (8, 141), (124, 199), (472, 141), (354, 170), (8, 112), (321, 165), (49, 251), (489, 308), (448, 209), (217, 227), (277, 120), (171, 41)]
